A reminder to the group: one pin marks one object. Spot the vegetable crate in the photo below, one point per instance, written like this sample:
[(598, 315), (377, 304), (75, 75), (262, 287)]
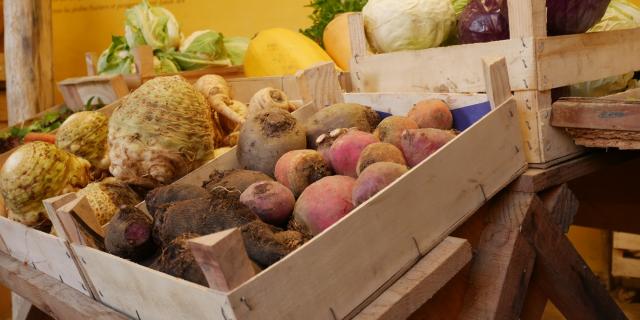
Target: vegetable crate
[(336, 274), (537, 64), (625, 257)]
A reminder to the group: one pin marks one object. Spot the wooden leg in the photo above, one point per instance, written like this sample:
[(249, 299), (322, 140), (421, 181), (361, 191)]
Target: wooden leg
[(562, 205), (503, 263), (564, 276), (22, 309)]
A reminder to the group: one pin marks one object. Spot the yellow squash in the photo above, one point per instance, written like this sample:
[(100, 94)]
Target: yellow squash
[(337, 41), (279, 51)]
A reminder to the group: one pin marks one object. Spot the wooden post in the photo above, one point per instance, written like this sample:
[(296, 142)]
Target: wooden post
[(496, 77), (28, 53)]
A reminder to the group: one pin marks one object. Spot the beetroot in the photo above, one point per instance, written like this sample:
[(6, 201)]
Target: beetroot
[(379, 152), (128, 234), (418, 144), (375, 178), (390, 129), (341, 115), (177, 260), (266, 136), (324, 202), (237, 179), (345, 151), (270, 201), (432, 114), (172, 193), (326, 140), (262, 244), (299, 168)]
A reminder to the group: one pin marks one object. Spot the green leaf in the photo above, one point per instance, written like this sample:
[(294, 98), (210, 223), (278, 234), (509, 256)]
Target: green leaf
[(324, 11)]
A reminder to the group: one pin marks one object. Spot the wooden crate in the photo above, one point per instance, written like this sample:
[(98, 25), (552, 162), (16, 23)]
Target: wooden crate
[(77, 92), (537, 63), (336, 273), (625, 256)]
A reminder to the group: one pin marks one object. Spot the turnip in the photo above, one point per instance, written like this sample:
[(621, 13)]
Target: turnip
[(419, 144), (299, 168), (268, 98), (177, 260), (390, 129), (106, 196), (128, 234), (237, 179), (326, 140), (172, 193), (341, 115), (323, 203), (266, 136), (346, 150), (270, 201), (379, 152), (375, 178), (432, 114)]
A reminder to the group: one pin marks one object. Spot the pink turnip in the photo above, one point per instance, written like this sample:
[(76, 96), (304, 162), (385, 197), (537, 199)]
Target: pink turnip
[(298, 169), (432, 114), (418, 144), (346, 150), (390, 129), (270, 201), (379, 152), (375, 178)]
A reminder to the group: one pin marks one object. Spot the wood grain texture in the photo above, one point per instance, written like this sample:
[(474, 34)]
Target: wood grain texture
[(52, 205), (28, 47), (401, 103), (503, 262), (421, 282), (591, 113), (319, 84), (22, 309), (528, 18), (223, 259), (566, 278), (535, 180), (77, 92), (598, 138), (496, 77), (49, 294), (626, 241), (357, 36), (565, 60)]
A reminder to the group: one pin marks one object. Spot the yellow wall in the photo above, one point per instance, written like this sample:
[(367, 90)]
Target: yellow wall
[(81, 26)]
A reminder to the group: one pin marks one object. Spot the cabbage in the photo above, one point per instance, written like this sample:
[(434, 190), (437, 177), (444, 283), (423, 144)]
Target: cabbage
[(393, 25), (483, 21), (116, 59), (153, 26), (459, 5), (202, 49), (163, 62), (621, 14), (488, 20), (236, 48)]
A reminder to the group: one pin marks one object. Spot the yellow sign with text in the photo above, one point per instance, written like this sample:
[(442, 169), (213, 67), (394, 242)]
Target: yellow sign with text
[(81, 26)]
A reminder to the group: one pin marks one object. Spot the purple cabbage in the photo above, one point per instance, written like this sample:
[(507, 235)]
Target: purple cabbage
[(487, 20)]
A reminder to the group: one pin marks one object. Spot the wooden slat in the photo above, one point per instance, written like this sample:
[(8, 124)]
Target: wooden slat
[(401, 103), (319, 84), (374, 262), (565, 60), (357, 37), (447, 69), (503, 262), (627, 241), (599, 138), (51, 295), (127, 286), (497, 79), (22, 309), (593, 113), (534, 180), (527, 18), (28, 49), (420, 283), (78, 91), (566, 278), (622, 266)]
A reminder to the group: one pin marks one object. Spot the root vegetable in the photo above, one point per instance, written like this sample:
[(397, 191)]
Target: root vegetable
[(160, 132), (268, 98), (419, 144), (231, 139), (390, 129), (432, 114), (262, 245), (106, 196), (379, 152), (221, 211), (346, 150), (128, 235), (375, 178), (299, 168), (291, 239), (85, 135), (232, 113), (172, 193), (177, 260), (341, 115), (211, 84), (326, 140), (270, 201), (266, 136), (237, 179), (324, 202)]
